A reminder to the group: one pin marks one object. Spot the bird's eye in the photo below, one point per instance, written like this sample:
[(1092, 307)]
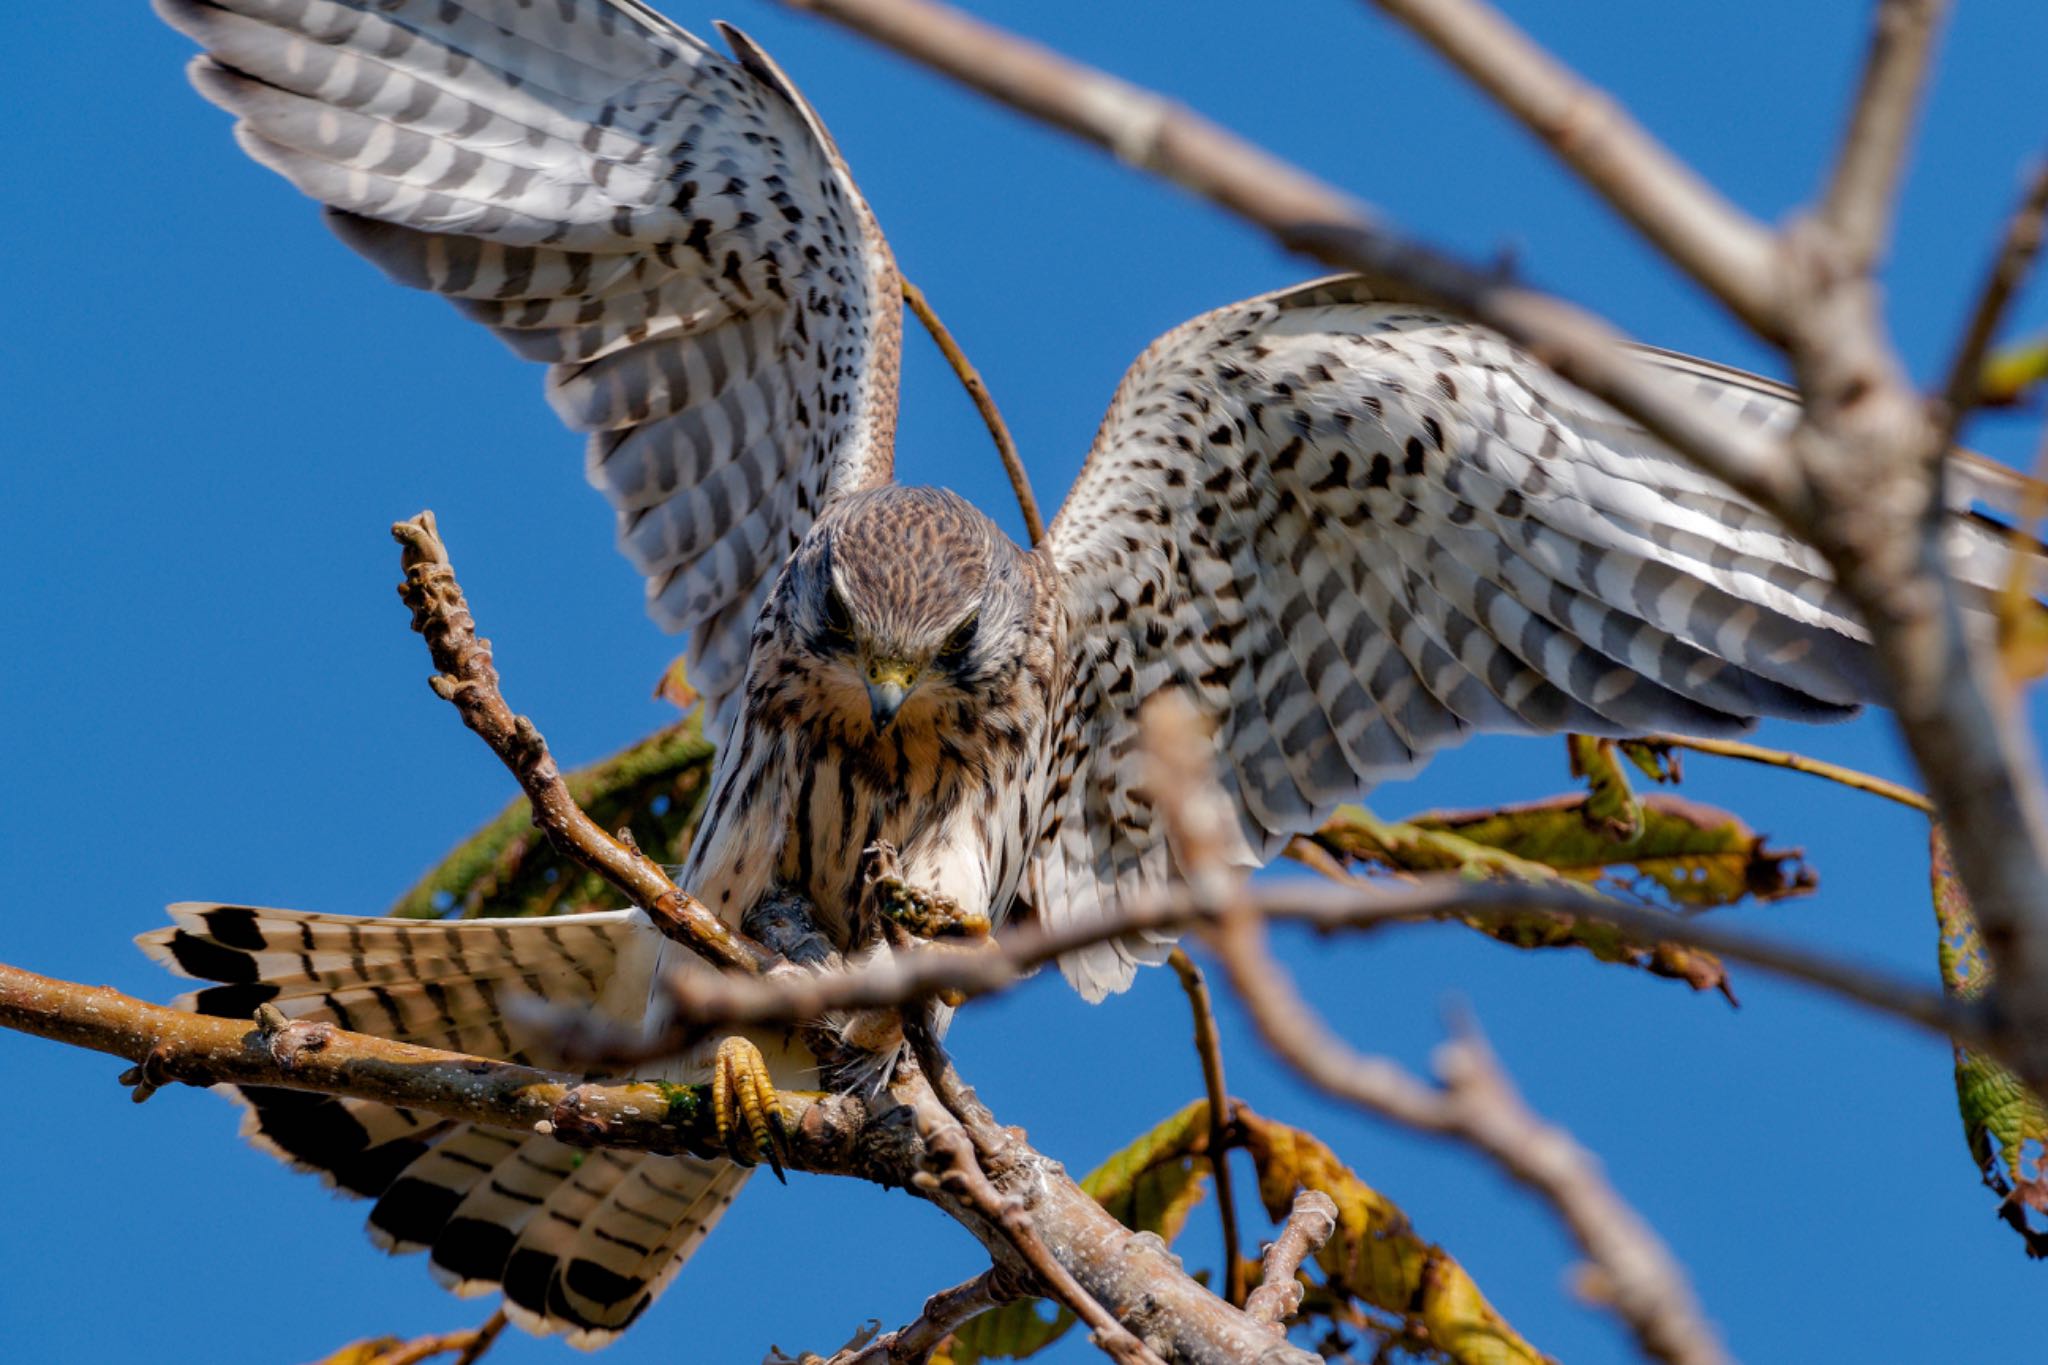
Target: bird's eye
[(838, 620), (953, 654)]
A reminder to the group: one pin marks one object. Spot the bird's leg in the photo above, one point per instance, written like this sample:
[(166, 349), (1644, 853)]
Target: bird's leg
[(926, 914), (747, 1115)]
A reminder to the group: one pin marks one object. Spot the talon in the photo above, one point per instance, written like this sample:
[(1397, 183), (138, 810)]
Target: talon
[(744, 1108)]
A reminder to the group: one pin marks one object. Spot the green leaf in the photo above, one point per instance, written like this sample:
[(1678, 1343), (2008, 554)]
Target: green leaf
[(1150, 1186), (1692, 855), (2005, 1123), (1153, 1184), (1688, 855), (1376, 1255), (652, 788)]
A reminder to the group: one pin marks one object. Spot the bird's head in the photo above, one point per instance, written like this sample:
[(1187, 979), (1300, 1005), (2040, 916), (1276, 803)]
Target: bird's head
[(901, 600)]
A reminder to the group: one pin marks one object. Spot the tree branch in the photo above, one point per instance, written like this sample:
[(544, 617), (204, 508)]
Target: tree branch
[(1222, 1111), (1137, 1282), (956, 1169), (468, 680), (1719, 245), (702, 1003), (2017, 251), (945, 1313), (1309, 1225), (1863, 185), (1798, 763), (984, 403), (1479, 1107)]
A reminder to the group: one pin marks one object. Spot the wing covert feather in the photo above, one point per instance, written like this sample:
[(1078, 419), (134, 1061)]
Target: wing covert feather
[(1354, 530)]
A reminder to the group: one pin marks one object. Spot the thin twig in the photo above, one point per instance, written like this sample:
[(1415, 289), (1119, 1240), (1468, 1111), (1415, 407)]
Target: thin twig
[(467, 679), (1478, 1106), (467, 1345), (1800, 763), (1666, 200), (1863, 183), (701, 1002), (483, 1339), (984, 403), (2018, 249), (1311, 1222), (1209, 1047), (945, 1313)]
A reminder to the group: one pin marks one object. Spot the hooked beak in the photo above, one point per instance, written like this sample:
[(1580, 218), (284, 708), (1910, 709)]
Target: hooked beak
[(889, 682)]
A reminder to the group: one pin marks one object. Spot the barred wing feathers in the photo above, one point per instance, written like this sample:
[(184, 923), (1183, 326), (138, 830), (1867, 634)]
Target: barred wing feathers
[(1354, 531), (580, 1242), (670, 230)]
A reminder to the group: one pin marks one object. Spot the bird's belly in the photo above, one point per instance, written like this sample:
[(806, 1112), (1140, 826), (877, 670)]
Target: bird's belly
[(845, 801)]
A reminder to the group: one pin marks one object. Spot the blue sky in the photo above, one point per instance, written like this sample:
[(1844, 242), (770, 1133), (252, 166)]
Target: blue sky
[(209, 689)]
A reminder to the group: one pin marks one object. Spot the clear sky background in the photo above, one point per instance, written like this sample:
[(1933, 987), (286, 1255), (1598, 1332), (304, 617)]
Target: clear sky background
[(212, 411)]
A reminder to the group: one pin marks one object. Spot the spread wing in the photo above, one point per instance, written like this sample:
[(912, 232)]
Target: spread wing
[(1354, 531), (670, 230)]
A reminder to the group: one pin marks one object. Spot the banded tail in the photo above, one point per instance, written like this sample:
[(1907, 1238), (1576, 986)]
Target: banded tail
[(580, 1241)]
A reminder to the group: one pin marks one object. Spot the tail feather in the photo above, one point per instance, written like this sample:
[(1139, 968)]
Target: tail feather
[(580, 1242)]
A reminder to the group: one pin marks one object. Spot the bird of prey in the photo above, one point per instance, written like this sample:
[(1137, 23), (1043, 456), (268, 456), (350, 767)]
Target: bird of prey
[(1351, 529)]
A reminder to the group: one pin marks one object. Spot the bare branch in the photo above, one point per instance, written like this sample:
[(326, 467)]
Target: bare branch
[(945, 1313), (1712, 240), (1209, 1048), (2017, 252), (1310, 1224), (172, 1045), (1863, 185), (701, 1003), (467, 678), (1479, 1107), (984, 403)]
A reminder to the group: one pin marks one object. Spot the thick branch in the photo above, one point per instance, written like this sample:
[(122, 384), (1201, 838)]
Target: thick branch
[(172, 1045), (1136, 1281), (467, 678), (1726, 250)]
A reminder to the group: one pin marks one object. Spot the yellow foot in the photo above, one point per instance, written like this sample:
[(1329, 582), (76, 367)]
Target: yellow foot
[(743, 1105), (914, 909)]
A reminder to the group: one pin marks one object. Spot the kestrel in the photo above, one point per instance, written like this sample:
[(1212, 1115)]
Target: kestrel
[(1351, 529)]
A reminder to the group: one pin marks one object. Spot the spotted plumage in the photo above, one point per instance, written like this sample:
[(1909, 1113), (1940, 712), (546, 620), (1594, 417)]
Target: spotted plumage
[(1351, 529)]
